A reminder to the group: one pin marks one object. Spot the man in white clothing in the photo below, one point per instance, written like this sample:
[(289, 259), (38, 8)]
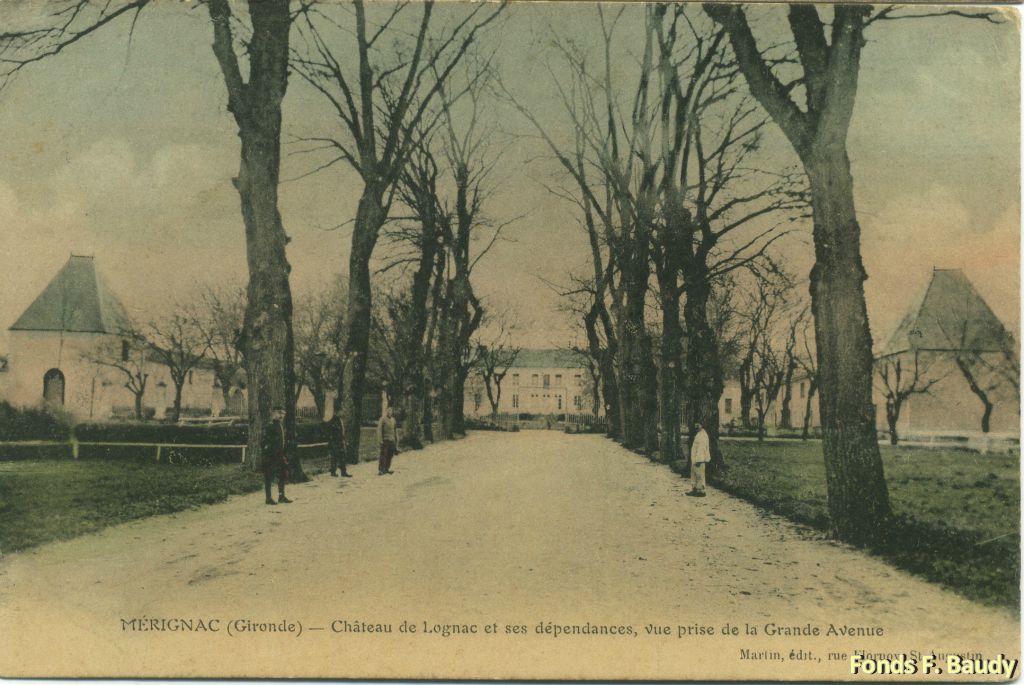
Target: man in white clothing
[(700, 455)]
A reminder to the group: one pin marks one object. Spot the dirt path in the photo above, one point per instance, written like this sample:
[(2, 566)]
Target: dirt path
[(504, 530)]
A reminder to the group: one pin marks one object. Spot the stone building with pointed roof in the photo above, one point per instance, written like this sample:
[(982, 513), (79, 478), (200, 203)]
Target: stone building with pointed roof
[(961, 346), (58, 346)]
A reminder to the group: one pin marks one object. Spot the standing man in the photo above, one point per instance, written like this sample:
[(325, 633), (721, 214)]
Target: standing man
[(700, 455), (387, 433), (334, 432), (275, 458)]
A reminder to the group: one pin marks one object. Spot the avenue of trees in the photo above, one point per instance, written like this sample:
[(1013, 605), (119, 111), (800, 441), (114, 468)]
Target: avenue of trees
[(665, 176), (392, 100), (659, 144)]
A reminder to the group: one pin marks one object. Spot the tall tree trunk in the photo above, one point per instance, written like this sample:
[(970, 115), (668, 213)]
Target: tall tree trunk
[(459, 399), (610, 394), (225, 393), (892, 417), (858, 496), (605, 359), (319, 393), (637, 372), (669, 392), (267, 338), (746, 391), (812, 389), (370, 216), (176, 407), (705, 383), (786, 411), (138, 407), (972, 382), (431, 371), (443, 371), (412, 399)]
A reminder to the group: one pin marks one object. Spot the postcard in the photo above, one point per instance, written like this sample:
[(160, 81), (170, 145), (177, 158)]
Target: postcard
[(516, 341)]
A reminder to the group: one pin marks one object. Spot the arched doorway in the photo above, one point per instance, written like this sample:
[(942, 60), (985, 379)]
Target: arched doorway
[(53, 387)]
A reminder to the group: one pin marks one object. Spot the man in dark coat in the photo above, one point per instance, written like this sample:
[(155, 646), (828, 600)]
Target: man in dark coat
[(387, 434), (275, 457), (334, 432)]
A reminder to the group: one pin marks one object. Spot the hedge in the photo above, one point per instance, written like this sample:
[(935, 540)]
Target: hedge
[(173, 434), (32, 424), (34, 452)]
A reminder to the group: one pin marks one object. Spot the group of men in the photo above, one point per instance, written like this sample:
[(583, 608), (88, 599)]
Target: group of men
[(275, 449), (275, 453)]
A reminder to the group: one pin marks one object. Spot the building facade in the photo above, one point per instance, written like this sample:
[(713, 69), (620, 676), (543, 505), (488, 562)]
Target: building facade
[(958, 349), (66, 347), (950, 344), (540, 382)]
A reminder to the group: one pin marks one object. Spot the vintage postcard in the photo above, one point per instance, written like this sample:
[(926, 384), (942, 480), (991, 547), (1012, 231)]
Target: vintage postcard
[(532, 340)]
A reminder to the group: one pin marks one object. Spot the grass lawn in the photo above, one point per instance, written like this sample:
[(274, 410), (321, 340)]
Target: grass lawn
[(957, 512), (42, 501)]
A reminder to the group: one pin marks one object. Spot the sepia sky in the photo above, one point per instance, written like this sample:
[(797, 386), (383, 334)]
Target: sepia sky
[(126, 151)]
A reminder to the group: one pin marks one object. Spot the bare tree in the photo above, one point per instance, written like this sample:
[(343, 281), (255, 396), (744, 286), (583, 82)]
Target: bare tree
[(806, 360), (494, 359), (675, 194), (180, 345), (792, 363), (817, 129), (618, 203), (418, 190), (126, 354), (219, 316), (983, 364), (898, 384), (255, 103), (713, 190), (383, 104), (770, 343), (319, 328)]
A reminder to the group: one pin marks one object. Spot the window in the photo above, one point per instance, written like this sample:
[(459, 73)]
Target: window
[(577, 402), (558, 380), (536, 379), (547, 380), (124, 350), (515, 379), (579, 378), (515, 401), (559, 401), (803, 389), (728, 405)]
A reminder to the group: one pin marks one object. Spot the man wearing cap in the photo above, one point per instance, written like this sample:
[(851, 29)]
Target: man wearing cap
[(275, 458), (334, 432)]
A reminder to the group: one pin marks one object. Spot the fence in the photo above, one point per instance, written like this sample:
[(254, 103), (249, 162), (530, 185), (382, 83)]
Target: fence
[(169, 453)]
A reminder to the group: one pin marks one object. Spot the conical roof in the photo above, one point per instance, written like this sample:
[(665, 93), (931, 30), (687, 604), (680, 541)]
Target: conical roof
[(952, 316), (76, 301)]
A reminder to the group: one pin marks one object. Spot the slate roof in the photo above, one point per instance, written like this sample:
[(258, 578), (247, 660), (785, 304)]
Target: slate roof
[(951, 316), (76, 301), (547, 359)]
